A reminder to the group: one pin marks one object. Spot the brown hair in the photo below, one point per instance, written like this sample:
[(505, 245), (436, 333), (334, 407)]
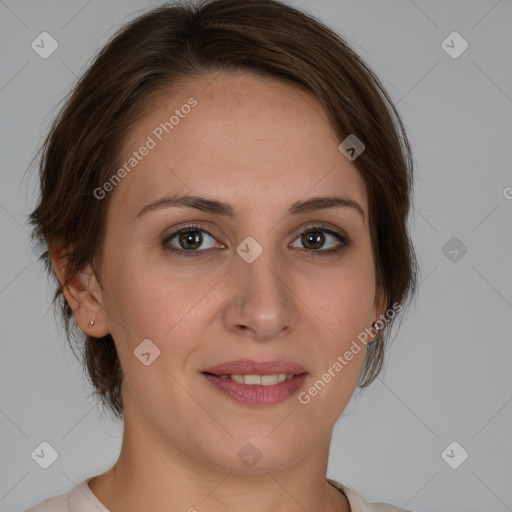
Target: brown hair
[(153, 53)]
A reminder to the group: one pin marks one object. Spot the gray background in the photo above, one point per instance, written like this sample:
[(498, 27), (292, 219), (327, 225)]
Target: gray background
[(448, 375)]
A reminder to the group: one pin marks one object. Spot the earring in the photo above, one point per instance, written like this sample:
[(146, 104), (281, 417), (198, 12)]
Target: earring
[(91, 323), (376, 327)]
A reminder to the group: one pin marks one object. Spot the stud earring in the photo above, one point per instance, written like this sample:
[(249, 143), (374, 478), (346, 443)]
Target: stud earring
[(376, 327), (91, 323)]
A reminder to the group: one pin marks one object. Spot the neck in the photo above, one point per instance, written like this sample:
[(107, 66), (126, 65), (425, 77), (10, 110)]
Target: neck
[(151, 475)]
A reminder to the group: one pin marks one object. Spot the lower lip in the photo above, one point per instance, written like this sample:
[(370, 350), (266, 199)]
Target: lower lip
[(257, 394)]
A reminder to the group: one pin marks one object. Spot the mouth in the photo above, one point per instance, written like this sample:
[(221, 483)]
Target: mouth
[(257, 383), (257, 380)]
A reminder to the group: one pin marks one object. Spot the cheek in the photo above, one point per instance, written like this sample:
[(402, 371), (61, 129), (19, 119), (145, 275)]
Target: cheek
[(344, 299), (157, 302), (345, 307)]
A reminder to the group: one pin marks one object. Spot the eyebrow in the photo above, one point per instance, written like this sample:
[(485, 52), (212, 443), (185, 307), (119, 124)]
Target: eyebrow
[(221, 208)]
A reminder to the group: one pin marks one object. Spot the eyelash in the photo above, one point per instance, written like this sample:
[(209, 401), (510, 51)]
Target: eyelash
[(344, 241)]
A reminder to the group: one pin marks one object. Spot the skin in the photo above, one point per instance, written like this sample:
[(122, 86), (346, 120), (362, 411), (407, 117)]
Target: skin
[(259, 144)]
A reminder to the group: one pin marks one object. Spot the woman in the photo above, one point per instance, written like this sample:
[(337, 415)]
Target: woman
[(224, 198)]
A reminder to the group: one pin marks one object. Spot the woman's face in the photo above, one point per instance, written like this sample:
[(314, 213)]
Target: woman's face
[(241, 282)]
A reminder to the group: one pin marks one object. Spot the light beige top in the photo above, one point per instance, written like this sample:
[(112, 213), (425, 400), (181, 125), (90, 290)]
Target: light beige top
[(82, 499)]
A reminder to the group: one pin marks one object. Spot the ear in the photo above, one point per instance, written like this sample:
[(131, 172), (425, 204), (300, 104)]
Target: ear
[(82, 292), (379, 304), (379, 308)]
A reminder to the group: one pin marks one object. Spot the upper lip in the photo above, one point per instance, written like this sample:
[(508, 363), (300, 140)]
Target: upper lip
[(250, 367)]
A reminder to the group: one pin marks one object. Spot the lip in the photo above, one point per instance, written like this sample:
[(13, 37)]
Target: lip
[(258, 395), (250, 367)]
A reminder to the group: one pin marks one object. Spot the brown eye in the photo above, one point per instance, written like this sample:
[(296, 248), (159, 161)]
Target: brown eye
[(315, 238), (189, 241)]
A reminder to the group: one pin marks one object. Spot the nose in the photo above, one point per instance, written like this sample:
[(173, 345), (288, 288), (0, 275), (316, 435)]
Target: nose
[(262, 300)]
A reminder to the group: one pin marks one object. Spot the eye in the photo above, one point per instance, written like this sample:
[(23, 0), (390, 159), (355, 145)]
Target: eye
[(315, 237), (188, 240)]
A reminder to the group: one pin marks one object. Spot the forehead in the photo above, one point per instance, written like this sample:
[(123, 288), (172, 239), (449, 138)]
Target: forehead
[(249, 140)]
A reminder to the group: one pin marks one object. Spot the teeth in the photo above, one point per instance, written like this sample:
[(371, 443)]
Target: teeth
[(262, 380)]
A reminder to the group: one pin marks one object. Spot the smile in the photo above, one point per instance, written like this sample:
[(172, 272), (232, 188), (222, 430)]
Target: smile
[(259, 380)]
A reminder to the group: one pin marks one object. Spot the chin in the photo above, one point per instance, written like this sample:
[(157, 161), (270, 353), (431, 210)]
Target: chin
[(258, 452)]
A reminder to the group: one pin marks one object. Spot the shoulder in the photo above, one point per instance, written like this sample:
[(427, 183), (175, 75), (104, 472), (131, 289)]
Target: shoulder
[(359, 504), (79, 499), (55, 504)]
